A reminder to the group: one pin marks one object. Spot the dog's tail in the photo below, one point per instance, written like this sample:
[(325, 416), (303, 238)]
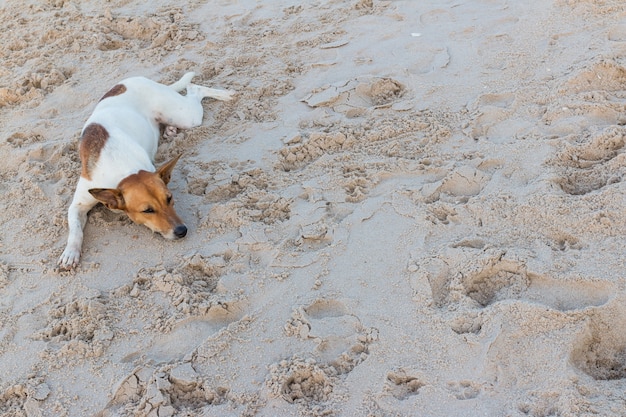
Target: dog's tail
[(181, 84)]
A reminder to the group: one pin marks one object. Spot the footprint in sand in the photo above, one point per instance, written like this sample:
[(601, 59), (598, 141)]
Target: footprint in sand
[(605, 75), (342, 341), (457, 186), (494, 118), (594, 165), (590, 97), (340, 344), (314, 388), (188, 334), (315, 236), (467, 323), (600, 350), (227, 184), (311, 379), (19, 139), (495, 278), (500, 279), (242, 198), (195, 307)]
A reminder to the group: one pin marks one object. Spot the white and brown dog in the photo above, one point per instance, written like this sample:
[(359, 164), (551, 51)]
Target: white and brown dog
[(117, 149)]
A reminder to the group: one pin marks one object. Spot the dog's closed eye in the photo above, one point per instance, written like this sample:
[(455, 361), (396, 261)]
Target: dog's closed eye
[(169, 200), (149, 210)]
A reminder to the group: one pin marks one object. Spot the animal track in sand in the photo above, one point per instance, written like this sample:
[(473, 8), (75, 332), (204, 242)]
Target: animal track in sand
[(266, 207), (80, 325), (497, 280), (314, 236), (600, 350), (402, 384), (19, 139), (594, 165), (464, 390)]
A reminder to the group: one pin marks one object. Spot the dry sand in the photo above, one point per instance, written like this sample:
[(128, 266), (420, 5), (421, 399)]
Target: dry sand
[(413, 208)]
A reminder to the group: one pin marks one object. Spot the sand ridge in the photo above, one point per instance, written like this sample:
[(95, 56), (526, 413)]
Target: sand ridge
[(410, 208)]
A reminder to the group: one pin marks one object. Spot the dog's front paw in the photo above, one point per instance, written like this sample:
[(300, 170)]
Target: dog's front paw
[(69, 259)]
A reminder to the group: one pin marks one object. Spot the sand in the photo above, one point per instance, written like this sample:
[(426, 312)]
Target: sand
[(412, 208)]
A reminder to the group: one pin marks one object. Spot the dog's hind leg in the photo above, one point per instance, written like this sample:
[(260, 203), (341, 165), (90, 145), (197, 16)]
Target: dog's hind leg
[(203, 92), (183, 83), (185, 112)]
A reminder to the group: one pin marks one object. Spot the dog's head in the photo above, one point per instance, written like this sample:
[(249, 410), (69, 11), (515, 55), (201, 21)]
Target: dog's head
[(144, 197)]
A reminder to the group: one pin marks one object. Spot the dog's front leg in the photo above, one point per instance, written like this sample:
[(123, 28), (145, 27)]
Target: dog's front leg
[(76, 218)]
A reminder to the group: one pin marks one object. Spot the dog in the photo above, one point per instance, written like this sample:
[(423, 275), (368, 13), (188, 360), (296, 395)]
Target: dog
[(117, 148)]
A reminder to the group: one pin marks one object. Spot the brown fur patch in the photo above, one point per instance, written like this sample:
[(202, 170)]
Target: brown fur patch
[(92, 141), (115, 91)]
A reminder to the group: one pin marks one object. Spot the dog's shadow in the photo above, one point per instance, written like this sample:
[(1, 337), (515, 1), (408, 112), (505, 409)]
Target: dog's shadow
[(100, 215)]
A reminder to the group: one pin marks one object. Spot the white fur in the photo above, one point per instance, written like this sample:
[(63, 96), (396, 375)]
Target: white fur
[(132, 120)]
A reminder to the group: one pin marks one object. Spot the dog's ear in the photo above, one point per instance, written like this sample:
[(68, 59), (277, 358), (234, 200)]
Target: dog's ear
[(110, 197), (165, 170)]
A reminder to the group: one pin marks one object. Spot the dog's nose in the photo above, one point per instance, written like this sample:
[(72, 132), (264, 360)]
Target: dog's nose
[(180, 231)]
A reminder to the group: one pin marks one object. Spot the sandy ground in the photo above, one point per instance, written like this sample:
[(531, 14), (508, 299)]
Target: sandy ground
[(412, 208)]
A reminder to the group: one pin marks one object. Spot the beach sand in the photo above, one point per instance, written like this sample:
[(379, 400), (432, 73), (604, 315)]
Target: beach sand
[(411, 208)]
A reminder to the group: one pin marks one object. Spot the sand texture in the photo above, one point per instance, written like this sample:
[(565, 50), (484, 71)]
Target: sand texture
[(411, 208)]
